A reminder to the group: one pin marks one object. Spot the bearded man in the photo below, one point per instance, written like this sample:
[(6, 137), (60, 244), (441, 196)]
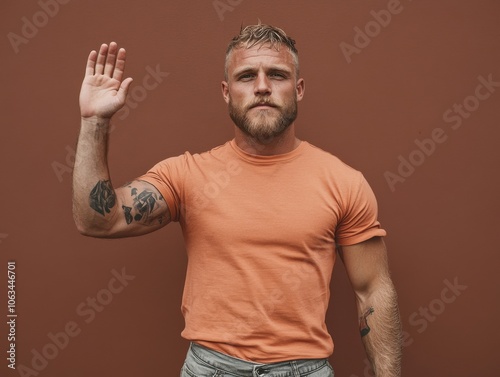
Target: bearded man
[(264, 217)]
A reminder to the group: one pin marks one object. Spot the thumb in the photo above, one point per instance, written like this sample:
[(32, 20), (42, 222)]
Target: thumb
[(124, 87)]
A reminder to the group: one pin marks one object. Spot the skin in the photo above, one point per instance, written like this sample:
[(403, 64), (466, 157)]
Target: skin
[(263, 73), (99, 210), (255, 75), (367, 268)]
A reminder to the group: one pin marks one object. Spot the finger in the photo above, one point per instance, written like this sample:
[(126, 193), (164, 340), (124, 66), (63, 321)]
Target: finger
[(101, 59), (89, 69), (120, 65), (124, 87), (110, 59)]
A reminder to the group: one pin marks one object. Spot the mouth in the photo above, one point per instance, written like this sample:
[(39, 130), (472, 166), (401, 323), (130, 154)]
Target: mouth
[(263, 105)]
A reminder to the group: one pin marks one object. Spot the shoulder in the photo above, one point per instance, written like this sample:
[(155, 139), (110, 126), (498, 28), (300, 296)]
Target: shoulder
[(216, 153), (326, 156), (332, 165), (188, 158)]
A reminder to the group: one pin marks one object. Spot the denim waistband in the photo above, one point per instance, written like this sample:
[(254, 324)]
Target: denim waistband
[(243, 368)]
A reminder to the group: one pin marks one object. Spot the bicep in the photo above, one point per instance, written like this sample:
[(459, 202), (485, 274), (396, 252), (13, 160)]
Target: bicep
[(366, 265), (141, 209)]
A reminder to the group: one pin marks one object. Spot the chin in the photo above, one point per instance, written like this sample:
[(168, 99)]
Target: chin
[(265, 134)]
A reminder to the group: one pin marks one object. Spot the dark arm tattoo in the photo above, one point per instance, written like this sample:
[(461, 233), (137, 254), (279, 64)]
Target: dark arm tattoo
[(363, 322), (102, 197), (143, 206)]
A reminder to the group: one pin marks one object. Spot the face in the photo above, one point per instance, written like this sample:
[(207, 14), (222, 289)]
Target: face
[(262, 91)]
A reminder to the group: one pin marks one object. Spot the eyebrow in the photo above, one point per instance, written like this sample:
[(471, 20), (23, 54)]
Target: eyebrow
[(273, 68)]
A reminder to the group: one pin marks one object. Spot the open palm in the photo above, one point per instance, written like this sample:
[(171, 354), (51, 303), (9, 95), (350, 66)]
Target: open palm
[(103, 92)]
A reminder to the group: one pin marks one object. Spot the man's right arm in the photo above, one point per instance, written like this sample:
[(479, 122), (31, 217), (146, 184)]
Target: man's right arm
[(99, 210)]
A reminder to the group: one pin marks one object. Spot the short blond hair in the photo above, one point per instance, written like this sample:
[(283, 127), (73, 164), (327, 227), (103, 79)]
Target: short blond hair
[(258, 35)]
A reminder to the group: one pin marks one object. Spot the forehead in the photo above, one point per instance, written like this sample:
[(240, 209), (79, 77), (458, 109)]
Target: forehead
[(260, 56)]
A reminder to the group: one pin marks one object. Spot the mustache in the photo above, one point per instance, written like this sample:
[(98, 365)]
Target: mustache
[(263, 101)]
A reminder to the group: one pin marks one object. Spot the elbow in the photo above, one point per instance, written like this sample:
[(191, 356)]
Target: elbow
[(378, 290), (85, 230), (81, 220), (88, 229), (81, 225), (95, 233)]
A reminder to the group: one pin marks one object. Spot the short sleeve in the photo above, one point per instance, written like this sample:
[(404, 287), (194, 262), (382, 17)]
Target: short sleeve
[(167, 177), (359, 220)]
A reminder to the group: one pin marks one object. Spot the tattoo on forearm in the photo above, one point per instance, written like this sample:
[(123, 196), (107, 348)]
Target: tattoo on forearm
[(363, 322), (102, 197), (143, 206)]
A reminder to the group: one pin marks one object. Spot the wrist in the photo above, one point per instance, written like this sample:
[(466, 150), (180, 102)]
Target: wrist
[(96, 121)]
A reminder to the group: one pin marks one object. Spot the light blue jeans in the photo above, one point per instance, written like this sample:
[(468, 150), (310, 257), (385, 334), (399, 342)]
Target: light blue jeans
[(204, 362)]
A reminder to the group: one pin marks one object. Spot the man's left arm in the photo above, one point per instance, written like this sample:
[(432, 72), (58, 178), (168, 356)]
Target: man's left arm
[(380, 324)]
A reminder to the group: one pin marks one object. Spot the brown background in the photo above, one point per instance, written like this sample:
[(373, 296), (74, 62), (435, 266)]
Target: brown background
[(442, 220)]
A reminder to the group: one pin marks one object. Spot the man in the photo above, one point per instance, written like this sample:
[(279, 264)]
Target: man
[(261, 215)]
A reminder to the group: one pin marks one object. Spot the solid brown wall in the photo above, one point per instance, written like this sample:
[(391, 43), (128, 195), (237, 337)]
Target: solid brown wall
[(441, 217)]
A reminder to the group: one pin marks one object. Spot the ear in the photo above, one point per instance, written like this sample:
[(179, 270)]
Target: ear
[(300, 88), (225, 91)]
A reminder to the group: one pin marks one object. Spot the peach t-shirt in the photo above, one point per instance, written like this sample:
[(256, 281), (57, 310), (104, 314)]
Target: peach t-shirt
[(260, 234)]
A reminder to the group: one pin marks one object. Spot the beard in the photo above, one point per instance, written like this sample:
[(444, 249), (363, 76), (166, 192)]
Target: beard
[(266, 124)]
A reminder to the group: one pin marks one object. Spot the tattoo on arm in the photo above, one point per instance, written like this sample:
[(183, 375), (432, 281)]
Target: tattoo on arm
[(143, 206), (363, 322), (102, 197), (128, 214)]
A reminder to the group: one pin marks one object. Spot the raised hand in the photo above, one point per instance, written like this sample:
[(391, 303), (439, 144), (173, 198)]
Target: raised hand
[(103, 92)]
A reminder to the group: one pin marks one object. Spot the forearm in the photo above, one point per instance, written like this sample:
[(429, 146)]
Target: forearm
[(93, 195), (380, 327)]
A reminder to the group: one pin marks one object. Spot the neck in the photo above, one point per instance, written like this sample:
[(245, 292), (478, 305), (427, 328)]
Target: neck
[(284, 143)]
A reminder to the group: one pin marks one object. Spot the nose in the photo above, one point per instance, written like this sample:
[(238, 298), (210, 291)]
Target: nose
[(262, 85)]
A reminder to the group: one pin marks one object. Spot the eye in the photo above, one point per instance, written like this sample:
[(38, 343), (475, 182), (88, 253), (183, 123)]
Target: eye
[(278, 75), (246, 77)]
